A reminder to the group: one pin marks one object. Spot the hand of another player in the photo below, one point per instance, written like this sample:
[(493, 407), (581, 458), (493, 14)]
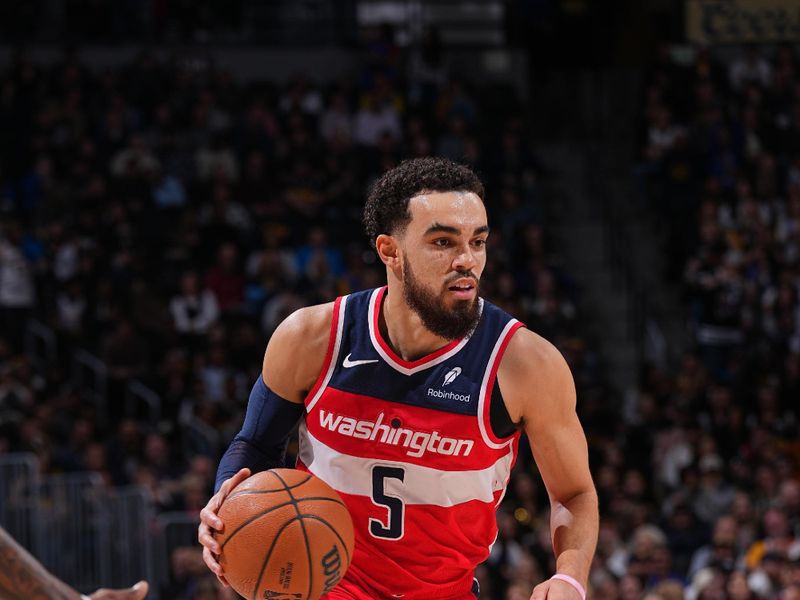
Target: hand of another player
[(210, 522), (555, 589), (137, 592)]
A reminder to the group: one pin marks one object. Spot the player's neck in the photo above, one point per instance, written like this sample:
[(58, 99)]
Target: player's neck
[(403, 330)]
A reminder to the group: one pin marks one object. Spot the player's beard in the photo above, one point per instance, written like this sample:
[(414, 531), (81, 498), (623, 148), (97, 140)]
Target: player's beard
[(450, 323)]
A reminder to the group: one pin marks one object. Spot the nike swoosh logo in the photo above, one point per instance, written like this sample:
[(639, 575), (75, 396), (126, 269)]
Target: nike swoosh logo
[(347, 363)]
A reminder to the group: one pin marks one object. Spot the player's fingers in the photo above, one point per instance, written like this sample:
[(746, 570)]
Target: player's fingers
[(130, 594), (211, 562), (216, 500), (223, 581), (208, 541), (209, 519), (139, 591), (540, 591), (235, 480), (227, 486)]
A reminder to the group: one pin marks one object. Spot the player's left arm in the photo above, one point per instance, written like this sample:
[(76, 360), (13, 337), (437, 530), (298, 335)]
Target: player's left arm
[(22, 577), (539, 392)]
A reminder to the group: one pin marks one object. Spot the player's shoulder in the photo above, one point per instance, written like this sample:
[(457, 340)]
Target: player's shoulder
[(307, 322), (529, 354), (535, 379), (296, 351)]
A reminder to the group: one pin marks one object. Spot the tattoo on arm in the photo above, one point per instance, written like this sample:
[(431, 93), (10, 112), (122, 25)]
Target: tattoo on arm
[(22, 577)]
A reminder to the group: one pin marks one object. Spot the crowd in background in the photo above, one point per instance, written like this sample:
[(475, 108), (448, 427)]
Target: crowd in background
[(720, 166), (166, 218)]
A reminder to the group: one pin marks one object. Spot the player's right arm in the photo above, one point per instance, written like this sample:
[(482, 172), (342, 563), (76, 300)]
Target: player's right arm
[(292, 363)]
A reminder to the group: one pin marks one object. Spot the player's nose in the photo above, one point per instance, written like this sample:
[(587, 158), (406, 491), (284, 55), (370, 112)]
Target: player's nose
[(465, 260)]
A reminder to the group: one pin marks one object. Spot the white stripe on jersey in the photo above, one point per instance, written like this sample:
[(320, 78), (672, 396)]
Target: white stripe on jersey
[(334, 357), (421, 485)]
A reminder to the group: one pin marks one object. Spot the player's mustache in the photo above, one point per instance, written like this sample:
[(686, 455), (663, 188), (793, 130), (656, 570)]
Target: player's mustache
[(460, 275)]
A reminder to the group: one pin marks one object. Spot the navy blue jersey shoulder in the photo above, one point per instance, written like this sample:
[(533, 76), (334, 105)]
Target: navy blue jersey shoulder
[(450, 384)]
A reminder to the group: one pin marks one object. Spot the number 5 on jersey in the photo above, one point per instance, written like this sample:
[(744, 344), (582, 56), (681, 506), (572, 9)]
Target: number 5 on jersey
[(392, 528)]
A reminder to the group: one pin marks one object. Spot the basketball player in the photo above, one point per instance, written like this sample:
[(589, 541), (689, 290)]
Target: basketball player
[(22, 577), (411, 399)]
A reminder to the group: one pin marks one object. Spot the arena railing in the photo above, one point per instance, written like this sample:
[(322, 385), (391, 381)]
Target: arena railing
[(19, 500), (74, 529), (85, 532), (131, 520), (175, 533)]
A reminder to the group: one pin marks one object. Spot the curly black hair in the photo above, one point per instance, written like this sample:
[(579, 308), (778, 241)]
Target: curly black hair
[(386, 210)]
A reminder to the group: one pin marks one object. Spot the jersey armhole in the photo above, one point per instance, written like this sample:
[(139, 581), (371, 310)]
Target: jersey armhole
[(499, 420), (487, 389), (331, 354)]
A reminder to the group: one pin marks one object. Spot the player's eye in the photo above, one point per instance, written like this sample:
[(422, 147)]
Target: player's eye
[(441, 242), (479, 243)]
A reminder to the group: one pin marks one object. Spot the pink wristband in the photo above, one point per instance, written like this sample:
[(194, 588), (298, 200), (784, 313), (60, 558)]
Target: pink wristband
[(573, 582)]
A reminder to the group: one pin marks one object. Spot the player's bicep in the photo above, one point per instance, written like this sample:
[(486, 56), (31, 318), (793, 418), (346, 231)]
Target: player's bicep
[(541, 393), (276, 369)]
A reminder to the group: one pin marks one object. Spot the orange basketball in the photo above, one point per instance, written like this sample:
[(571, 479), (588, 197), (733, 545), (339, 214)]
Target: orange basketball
[(287, 535)]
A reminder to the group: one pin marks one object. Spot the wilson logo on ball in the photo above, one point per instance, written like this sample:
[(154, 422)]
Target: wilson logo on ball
[(332, 567)]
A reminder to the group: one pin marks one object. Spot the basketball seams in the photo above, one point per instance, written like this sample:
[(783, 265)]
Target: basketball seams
[(305, 534), (291, 487), (269, 554), (276, 507), (325, 522), (308, 554), (300, 500)]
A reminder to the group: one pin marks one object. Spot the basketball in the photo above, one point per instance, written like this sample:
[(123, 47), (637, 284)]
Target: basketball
[(287, 535)]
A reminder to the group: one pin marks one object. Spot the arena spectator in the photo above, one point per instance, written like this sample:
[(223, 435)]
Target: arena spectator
[(750, 68), (226, 280), (17, 289), (375, 118), (722, 552), (194, 310), (125, 351), (336, 124)]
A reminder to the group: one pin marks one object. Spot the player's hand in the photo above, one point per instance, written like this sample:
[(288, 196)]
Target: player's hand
[(210, 522), (555, 589), (137, 592)]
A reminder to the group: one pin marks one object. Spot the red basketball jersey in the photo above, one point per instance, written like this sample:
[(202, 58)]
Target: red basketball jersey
[(409, 446)]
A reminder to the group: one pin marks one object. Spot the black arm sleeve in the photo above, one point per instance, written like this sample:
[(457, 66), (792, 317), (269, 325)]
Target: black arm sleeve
[(261, 443)]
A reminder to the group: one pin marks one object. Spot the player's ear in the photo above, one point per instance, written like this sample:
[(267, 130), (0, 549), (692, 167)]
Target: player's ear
[(388, 250)]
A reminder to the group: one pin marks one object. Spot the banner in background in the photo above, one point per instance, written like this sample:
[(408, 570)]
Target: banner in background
[(736, 21)]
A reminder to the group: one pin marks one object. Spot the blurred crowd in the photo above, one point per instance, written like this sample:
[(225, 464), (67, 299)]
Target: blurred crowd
[(165, 218), (714, 501)]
